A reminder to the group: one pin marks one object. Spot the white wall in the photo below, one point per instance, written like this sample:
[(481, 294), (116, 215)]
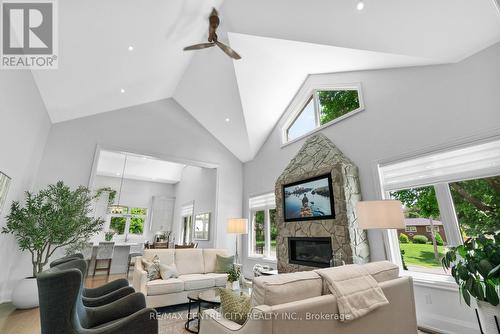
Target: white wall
[(24, 128), (407, 110), (136, 193), (161, 129), (198, 185)]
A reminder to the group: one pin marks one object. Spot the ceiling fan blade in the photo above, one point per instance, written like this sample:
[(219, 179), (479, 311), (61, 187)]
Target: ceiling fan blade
[(199, 46), (230, 52)]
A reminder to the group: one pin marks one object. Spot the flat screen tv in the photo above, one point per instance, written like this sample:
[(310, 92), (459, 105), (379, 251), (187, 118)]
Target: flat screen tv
[(310, 199)]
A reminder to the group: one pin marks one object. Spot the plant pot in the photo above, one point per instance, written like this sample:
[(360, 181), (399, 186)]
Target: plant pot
[(25, 294), (233, 285), (487, 313)]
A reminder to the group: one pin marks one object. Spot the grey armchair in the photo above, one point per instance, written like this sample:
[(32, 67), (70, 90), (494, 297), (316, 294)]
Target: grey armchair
[(65, 259), (62, 309), (102, 295)]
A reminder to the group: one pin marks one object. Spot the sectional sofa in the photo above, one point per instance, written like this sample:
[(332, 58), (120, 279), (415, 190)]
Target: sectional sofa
[(300, 303), (196, 269)]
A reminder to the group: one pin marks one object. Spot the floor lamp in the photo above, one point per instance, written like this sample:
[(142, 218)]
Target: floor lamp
[(237, 226), (387, 214)]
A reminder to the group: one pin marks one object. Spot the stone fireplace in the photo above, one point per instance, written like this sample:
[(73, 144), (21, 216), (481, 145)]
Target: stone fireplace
[(305, 245)]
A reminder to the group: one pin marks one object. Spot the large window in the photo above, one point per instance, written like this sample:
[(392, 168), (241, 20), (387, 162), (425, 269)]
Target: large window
[(264, 229), (421, 250), (126, 221), (323, 107), (447, 197)]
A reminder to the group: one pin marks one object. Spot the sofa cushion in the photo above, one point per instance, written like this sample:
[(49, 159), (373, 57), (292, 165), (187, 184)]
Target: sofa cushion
[(209, 258), (164, 286), (189, 261), (382, 271), (197, 281), (166, 256), (220, 279), (285, 288), (234, 307), (223, 264), (168, 271)]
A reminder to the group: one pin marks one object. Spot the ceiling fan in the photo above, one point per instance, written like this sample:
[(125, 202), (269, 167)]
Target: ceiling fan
[(213, 39)]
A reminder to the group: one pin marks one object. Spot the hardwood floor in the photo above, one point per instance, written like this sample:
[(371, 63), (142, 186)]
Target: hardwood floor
[(14, 321)]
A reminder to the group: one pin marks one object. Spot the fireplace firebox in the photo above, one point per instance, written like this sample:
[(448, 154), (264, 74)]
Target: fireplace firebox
[(312, 252)]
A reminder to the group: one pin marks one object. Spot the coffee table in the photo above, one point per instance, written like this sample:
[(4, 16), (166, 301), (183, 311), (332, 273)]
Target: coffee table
[(211, 299)]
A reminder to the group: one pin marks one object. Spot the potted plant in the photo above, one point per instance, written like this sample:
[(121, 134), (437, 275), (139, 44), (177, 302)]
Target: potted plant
[(108, 235), (233, 276), (475, 265), (111, 192), (53, 218)]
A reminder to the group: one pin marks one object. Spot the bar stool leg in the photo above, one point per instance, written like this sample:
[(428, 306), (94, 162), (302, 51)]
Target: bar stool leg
[(109, 266), (128, 265)]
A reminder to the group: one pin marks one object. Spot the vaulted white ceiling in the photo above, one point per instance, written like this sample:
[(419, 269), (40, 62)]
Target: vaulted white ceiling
[(281, 41)]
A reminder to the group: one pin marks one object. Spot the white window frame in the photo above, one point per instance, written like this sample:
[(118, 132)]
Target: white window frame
[(411, 229), (128, 217), (268, 203), (446, 207), (300, 102), (428, 229)]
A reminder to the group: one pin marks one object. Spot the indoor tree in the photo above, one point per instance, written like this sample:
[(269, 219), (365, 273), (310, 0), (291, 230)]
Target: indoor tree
[(53, 218)]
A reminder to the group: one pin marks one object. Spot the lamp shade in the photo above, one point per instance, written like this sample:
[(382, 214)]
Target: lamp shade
[(237, 226), (380, 214)]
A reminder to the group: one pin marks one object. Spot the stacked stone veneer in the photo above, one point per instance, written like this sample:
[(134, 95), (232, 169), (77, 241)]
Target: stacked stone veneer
[(319, 156)]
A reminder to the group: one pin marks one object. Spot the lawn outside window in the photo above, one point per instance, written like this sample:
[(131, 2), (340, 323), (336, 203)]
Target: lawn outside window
[(447, 197)]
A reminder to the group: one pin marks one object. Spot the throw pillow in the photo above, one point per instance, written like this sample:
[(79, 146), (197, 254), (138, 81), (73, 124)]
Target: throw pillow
[(168, 271), (153, 268), (223, 264), (234, 307)]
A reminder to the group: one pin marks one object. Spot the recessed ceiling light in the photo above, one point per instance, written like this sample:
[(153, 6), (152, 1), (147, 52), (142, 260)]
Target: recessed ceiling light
[(117, 174), (360, 5), (227, 120), (122, 90), (131, 48)]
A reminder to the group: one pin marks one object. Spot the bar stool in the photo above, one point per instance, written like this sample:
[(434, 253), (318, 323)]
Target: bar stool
[(135, 251), (87, 255), (104, 253)]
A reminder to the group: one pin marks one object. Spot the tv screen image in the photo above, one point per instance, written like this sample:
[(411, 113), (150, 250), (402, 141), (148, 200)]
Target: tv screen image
[(310, 199)]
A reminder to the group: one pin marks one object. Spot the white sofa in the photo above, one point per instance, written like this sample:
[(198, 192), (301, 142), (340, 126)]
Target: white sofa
[(196, 269), (300, 303)]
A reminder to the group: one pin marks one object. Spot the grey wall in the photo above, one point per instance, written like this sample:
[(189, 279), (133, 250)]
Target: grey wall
[(200, 186), (25, 126), (136, 193), (407, 110), (161, 129)]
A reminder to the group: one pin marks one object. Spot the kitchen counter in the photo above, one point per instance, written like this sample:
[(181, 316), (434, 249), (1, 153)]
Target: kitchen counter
[(119, 262)]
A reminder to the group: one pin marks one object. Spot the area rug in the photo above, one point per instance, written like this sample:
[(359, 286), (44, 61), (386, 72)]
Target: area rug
[(171, 319)]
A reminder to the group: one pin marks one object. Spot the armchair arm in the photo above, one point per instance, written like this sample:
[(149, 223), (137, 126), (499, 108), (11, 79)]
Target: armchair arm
[(143, 321), (213, 322), (140, 277), (120, 308), (105, 289), (108, 298)]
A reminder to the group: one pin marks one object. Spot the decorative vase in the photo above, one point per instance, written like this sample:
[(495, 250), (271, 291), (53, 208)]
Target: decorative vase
[(233, 285), (25, 294), (487, 313)]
